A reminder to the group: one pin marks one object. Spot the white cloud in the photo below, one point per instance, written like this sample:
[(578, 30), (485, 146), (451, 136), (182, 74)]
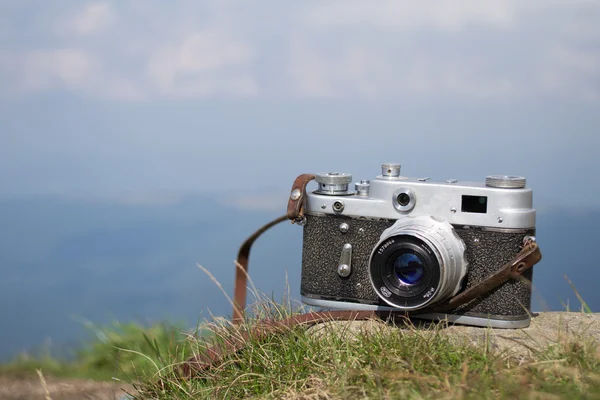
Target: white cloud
[(45, 69), (375, 72), (132, 63), (572, 70), (465, 49), (203, 62), (309, 73), (94, 17), (151, 50), (393, 14)]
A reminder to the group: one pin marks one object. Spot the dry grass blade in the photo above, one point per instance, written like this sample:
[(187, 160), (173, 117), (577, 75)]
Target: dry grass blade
[(44, 385), (216, 282)]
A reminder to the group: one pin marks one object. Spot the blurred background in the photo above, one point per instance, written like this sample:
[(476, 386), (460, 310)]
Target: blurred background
[(139, 139)]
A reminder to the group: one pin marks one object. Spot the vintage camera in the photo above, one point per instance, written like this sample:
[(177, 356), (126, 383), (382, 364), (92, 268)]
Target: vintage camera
[(406, 244)]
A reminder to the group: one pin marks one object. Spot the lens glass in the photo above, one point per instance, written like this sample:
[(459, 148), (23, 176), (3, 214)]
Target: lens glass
[(403, 199), (404, 271), (409, 268)]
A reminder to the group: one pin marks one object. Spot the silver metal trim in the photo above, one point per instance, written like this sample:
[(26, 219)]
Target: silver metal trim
[(333, 178), (295, 195), (362, 187), (505, 181), (337, 206), (528, 238), (476, 321), (390, 170), (514, 206), (451, 318), (345, 266), (412, 199), (333, 183), (503, 230), (342, 305)]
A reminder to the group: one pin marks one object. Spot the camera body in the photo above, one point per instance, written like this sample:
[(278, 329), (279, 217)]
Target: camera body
[(407, 244)]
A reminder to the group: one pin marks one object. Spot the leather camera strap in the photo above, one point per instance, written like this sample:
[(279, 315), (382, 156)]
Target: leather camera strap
[(523, 261), (295, 212)]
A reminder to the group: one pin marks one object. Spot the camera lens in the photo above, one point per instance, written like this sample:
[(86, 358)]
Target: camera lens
[(403, 199), (418, 261), (409, 268)]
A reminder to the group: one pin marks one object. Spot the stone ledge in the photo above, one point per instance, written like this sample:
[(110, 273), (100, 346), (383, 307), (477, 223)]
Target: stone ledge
[(546, 328)]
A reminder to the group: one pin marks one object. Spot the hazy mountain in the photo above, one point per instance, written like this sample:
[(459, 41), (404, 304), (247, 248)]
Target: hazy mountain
[(61, 261)]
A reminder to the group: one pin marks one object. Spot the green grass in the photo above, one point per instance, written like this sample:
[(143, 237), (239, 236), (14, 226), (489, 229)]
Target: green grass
[(331, 361), (335, 361), (122, 351)]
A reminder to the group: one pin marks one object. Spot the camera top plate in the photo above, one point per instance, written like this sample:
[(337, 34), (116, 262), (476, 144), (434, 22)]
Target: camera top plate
[(501, 201)]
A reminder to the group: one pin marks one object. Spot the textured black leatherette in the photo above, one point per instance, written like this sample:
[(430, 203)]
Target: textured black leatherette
[(487, 250)]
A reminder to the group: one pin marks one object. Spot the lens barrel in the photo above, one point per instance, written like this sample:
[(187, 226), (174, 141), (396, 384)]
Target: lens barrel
[(418, 261), (387, 270)]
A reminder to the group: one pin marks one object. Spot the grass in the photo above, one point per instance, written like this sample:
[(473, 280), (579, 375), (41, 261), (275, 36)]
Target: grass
[(332, 361), (342, 361), (122, 351)]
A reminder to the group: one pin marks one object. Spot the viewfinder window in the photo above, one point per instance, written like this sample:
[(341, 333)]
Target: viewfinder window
[(474, 204)]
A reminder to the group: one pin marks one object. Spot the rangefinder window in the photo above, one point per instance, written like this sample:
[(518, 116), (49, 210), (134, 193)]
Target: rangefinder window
[(474, 204)]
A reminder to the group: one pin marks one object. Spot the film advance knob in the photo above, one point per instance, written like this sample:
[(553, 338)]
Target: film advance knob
[(505, 181)]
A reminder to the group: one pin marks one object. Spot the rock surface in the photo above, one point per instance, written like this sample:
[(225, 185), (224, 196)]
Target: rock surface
[(546, 328), (33, 388)]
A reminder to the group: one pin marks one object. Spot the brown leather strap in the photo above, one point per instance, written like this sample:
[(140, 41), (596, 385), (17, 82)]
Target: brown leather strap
[(295, 209), (241, 271), (237, 340), (295, 212), (526, 259)]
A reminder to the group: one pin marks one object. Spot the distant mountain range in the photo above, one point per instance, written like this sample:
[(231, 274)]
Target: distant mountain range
[(63, 262)]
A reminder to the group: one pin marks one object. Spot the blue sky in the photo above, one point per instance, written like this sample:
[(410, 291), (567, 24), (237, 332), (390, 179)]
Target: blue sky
[(152, 101)]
